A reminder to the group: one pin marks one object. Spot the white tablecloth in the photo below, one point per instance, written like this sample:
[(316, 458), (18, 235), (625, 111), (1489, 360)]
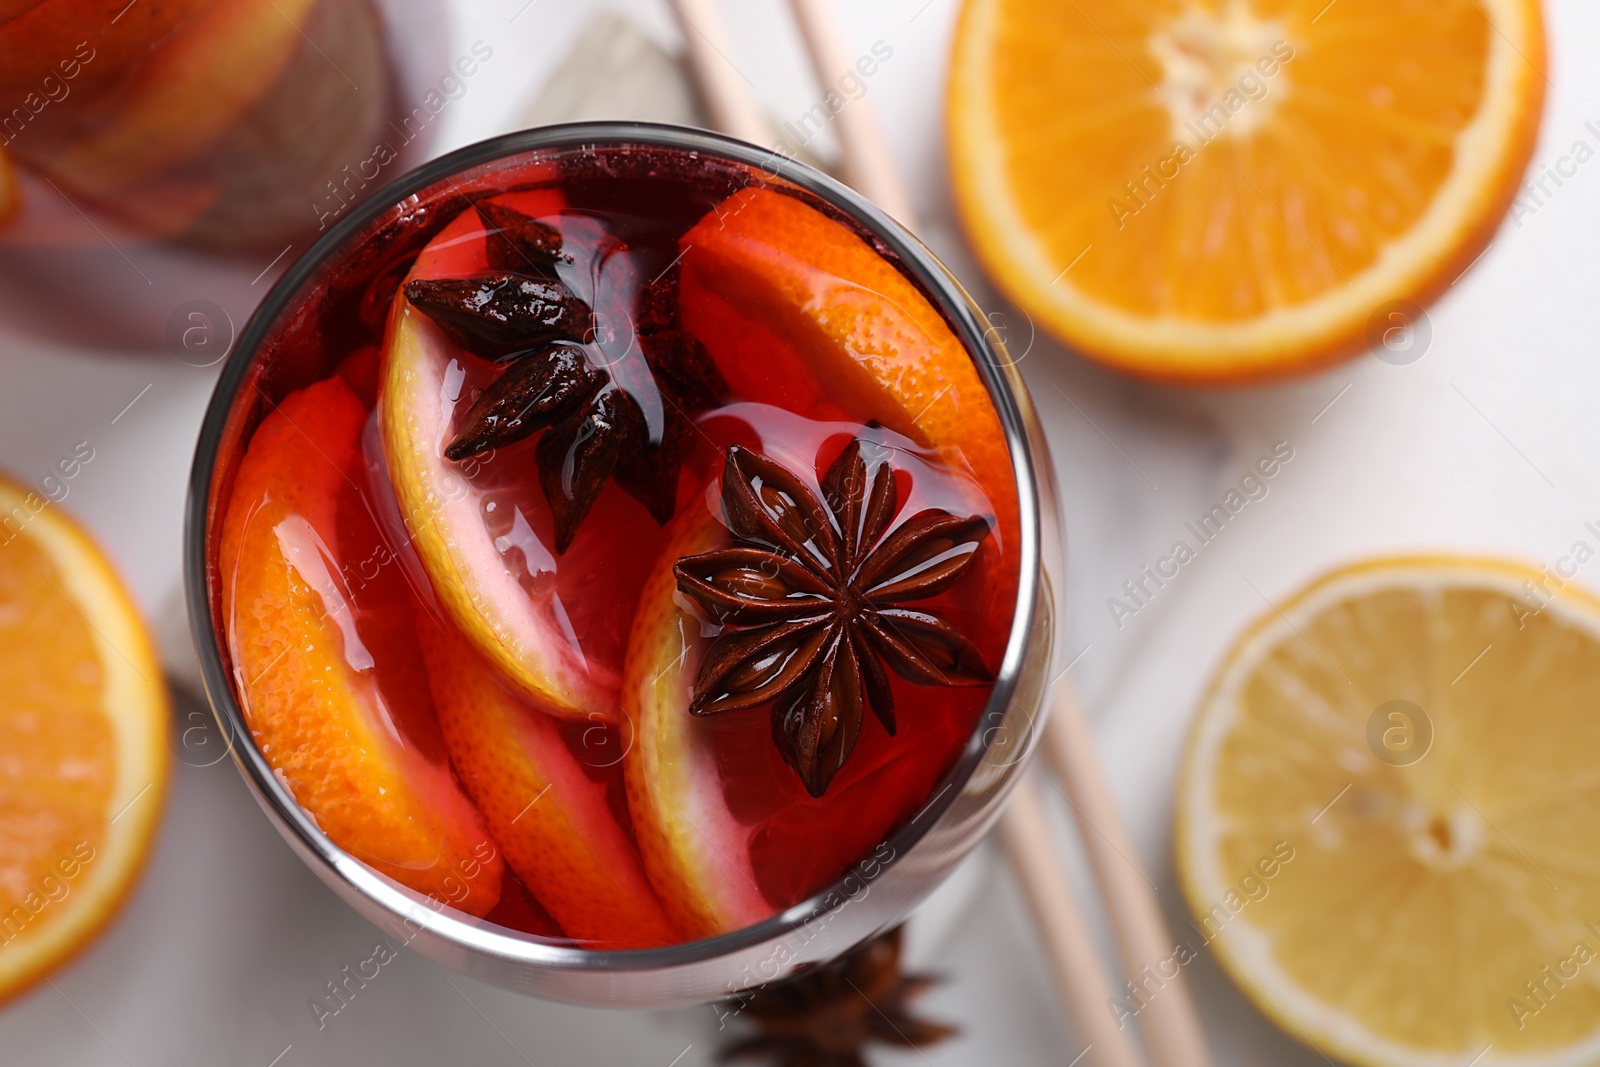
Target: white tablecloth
[(1484, 444)]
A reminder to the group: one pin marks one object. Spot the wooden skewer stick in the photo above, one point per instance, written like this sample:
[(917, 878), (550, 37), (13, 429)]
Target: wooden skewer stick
[(867, 165), (1026, 834), (726, 91), (1170, 1023)]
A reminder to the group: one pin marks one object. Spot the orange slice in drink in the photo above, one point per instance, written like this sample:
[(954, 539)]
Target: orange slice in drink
[(83, 753), (782, 294), (1224, 191), (328, 669), (552, 817)]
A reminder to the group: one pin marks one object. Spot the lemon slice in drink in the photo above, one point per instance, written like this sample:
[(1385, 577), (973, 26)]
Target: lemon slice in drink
[(1388, 826)]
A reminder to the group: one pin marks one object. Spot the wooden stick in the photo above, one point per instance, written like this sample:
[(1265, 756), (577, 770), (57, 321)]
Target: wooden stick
[(725, 89), (1086, 995), (1169, 1020), (867, 164)]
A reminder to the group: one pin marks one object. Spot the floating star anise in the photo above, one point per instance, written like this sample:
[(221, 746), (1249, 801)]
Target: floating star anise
[(688, 380), (498, 315), (521, 313), (515, 242), (826, 1017), (810, 600)]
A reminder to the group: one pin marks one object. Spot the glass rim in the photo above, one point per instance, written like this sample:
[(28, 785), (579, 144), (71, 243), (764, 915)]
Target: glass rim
[(479, 935)]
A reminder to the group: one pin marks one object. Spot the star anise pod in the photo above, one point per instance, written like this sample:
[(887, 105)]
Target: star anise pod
[(688, 381), (810, 597), (825, 1018), (532, 394), (515, 242), (522, 314), (498, 315)]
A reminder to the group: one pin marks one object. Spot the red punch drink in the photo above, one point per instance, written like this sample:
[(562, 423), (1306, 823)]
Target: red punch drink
[(623, 547)]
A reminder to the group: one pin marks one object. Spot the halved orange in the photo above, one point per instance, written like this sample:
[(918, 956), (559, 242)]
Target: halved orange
[(1225, 190), (83, 753), (328, 670)]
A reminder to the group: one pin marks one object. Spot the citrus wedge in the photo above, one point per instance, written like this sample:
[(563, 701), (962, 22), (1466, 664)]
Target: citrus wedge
[(552, 818), (783, 295), (83, 753), (1212, 192), (1389, 815), (554, 626), (328, 670), (696, 851)]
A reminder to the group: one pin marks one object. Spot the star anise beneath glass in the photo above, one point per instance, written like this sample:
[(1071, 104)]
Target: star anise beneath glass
[(810, 597), (826, 1017), (521, 313)]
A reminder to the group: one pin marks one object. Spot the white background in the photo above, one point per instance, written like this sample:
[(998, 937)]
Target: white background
[(1485, 444)]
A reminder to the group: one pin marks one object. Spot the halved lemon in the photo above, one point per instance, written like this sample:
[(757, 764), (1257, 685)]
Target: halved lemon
[(1224, 190), (83, 754), (1388, 826)]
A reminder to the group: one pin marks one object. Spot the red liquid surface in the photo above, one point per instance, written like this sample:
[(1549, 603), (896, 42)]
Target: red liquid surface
[(622, 231)]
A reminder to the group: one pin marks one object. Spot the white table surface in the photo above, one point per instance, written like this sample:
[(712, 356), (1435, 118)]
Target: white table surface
[(1487, 443)]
